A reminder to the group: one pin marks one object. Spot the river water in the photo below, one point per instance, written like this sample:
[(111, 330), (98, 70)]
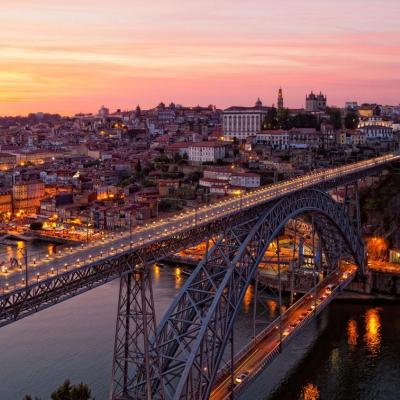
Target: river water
[(351, 352)]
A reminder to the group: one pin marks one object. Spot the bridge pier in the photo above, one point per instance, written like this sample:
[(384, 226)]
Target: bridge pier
[(136, 360)]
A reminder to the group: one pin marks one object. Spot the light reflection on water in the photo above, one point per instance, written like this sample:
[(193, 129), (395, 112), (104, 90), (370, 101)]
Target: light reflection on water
[(352, 335), (372, 336), (76, 338), (310, 392), (336, 364)]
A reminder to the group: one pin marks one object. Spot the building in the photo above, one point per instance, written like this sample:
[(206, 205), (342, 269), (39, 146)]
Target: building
[(368, 110), (104, 111), (27, 197), (304, 138), (7, 161), (374, 120), (242, 122), (245, 179), (315, 103), (280, 100), (351, 105), (277, 139), (354, 137), (377, 133), (206, 152), (221, 179), (5, 204)]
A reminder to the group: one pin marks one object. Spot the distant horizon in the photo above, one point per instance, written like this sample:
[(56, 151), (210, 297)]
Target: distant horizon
[(72, 56), (114, 109)]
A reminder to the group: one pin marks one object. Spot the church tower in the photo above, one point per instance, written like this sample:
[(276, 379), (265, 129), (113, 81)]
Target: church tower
[(280, 99)]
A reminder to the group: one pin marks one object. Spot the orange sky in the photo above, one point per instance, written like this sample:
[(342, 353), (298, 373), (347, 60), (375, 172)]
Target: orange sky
[(72, 56)]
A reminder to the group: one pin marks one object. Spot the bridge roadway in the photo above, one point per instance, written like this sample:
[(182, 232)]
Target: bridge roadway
[(78, 269), (262, 350)]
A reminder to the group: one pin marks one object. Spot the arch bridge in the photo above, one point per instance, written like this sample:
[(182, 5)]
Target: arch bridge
[(181, 358), (184, 359)]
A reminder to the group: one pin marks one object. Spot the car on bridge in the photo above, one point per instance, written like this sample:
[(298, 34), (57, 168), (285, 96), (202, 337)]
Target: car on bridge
[(241, 377)]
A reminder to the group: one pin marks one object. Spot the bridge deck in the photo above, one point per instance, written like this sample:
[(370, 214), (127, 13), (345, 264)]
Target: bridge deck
[(59, 277), (268, 344)]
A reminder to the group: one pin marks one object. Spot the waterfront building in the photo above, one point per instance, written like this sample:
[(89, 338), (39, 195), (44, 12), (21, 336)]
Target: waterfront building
[(27, 196)]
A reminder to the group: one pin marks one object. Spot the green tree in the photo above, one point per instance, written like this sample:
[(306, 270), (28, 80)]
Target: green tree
[(351, 120)]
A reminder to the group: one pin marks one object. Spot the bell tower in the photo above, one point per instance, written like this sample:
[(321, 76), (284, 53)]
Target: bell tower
[(280, 99)]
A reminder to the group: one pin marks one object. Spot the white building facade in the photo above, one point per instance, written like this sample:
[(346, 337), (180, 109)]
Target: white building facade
[(242, 122), (277, 139), (206, 152)]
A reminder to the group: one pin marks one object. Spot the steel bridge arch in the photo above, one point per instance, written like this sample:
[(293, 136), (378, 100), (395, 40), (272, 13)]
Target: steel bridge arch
[(194, 332)]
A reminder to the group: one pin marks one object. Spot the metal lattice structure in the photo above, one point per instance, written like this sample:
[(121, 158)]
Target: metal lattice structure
[(22, 302), (136, 324), (193, 335)]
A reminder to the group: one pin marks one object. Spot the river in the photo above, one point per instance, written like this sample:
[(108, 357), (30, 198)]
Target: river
[(351, 352)]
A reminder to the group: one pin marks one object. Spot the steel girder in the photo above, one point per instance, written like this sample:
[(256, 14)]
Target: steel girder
[(195, 330)]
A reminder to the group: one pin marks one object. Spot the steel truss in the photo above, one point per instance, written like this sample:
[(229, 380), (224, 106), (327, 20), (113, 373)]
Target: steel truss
[(136, 324), (25, 301), (192, 337)]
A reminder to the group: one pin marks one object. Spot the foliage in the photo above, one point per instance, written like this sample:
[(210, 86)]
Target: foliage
[(166, 205), (351, 120), (271, 119), (335, 117), (66, 391), (305, 120), (194, 176)]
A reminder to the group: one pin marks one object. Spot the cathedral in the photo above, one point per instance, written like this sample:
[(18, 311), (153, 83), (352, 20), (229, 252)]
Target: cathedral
[(315, 102)]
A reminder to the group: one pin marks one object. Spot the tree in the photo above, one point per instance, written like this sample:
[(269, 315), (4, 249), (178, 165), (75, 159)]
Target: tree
[(283, 118), (80, 392), (271, 119), (66, 391), (75, 392), (335, 117), (351, 120)]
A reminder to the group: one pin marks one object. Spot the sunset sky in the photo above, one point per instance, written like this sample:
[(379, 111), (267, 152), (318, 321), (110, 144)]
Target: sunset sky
[(71, 56)]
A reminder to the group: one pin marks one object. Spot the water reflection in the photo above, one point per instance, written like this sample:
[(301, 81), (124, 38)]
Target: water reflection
[(272, 305), (156, 274), (335, 360), (352, 335), (372, 337), (248, 296), (310, 392), (178, 278)]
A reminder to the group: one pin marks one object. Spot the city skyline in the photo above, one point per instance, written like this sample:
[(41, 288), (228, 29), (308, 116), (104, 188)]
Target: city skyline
[(125, 53)]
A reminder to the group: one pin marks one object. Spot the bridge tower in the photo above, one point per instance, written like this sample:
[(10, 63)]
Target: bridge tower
[(136, 362)]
